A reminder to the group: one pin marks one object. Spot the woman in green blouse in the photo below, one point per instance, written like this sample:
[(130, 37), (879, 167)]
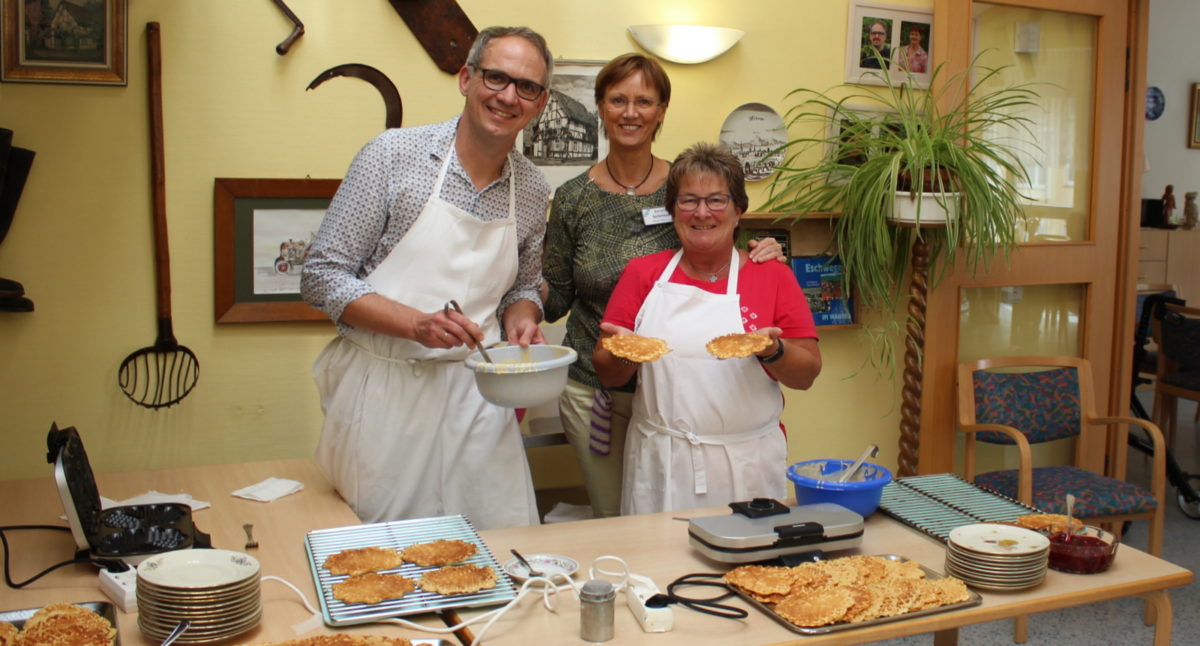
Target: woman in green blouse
[(598, 221)]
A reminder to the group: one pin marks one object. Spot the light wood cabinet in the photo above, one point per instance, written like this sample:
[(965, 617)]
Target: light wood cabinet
[(1172, 257)]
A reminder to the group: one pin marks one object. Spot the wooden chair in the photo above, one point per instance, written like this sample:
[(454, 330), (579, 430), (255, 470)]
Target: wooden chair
[(1020, 401), (1028, 400), (1176, 331)]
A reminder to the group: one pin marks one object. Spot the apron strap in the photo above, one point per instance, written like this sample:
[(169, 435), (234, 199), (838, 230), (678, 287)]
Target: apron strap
[(418, 366), (730, 284), (697, 443)]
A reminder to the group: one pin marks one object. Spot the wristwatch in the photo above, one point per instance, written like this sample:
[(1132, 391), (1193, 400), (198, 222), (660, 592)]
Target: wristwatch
[(776, 356)]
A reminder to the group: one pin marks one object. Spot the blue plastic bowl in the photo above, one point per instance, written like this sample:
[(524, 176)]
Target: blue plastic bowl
[(860, 495)]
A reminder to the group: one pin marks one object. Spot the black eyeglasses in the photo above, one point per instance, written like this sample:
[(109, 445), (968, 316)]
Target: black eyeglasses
[(496, 81), (716, 202)]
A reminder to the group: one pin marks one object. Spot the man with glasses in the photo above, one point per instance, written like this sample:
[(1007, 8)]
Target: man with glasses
[(426, 215), (876, 51)]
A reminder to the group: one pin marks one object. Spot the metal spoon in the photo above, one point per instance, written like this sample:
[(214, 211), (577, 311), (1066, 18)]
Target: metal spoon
[(871, 452), (1070, 514), (179, 630), (521, 559), (479, 342)]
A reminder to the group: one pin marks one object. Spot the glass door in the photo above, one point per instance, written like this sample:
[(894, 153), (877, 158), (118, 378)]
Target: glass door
[(1058, 292)]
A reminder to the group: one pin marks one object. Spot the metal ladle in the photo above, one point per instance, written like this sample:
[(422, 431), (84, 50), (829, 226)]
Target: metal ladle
[(871, 452), (478, 342)]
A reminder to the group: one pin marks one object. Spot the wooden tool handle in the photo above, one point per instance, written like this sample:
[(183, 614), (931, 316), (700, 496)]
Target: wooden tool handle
[(158, 174)]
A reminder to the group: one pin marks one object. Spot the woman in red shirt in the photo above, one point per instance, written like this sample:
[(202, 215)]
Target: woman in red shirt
[(706, 431)]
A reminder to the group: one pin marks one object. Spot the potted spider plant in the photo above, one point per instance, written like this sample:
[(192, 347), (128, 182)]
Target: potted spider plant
[(947, 158)]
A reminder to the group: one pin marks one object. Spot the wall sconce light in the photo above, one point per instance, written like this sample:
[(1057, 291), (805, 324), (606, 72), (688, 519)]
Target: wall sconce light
[(685, 43)]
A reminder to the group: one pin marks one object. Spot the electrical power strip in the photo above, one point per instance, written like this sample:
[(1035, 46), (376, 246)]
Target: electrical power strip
[(638, 589), (121, 587)]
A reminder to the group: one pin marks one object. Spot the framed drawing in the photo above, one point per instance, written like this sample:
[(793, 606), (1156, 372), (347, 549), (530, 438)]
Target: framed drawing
[(263, 231), (565, 139), (1194, 121), (864, 119), (76, 41), (882, 39)]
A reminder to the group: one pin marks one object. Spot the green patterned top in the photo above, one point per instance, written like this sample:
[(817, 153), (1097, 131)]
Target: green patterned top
[(591, 235)]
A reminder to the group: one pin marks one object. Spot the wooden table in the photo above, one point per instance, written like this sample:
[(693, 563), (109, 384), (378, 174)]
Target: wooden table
[(279, 528), (654, 545)]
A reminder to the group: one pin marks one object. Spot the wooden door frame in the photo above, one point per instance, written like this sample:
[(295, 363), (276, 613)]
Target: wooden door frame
[(951, 42)]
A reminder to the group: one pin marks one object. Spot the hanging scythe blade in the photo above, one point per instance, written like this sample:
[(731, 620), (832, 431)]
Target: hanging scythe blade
[(391, 96), (442, 28)]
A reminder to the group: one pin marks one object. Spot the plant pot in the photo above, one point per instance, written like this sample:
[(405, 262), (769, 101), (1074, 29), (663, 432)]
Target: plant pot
[(933, 209)]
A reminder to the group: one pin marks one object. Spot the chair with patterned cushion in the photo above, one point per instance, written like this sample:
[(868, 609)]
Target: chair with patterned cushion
[(1176, 331), (1021, 401)]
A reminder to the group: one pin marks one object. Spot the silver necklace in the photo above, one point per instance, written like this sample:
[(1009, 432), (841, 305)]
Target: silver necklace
[(712, 277), (629, 190)]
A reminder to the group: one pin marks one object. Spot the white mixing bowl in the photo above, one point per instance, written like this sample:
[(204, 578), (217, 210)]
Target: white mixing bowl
[(522, 377)]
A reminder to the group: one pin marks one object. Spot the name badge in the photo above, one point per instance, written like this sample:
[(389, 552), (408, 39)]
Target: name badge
[(655, 215)]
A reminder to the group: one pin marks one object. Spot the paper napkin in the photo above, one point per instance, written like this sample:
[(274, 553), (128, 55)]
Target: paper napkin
[(269, 489)]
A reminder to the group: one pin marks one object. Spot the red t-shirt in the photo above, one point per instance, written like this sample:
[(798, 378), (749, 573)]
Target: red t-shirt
[(769, 294)]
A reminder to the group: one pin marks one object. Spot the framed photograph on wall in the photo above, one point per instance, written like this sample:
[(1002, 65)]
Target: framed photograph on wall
[(883, 38), (567, 138), (1194, 121), (264, 229), (865, 119), (75, 41)]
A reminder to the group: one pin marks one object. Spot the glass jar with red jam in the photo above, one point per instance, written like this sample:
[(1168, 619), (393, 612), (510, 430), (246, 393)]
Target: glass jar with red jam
[(1088, 550)]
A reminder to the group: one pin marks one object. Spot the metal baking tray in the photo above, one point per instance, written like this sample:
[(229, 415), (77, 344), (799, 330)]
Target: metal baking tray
[(939, 503), (398, 535), (832, 628), (102, 608)]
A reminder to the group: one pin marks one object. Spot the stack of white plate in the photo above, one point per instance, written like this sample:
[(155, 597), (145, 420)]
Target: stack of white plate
[(216, 590), (997, 557)]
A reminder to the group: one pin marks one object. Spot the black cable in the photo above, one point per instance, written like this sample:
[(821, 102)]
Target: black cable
[(706, 605), (8, 552)]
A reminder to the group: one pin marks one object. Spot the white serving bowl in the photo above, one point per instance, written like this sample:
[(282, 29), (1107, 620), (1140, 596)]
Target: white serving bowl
[(522, 377)]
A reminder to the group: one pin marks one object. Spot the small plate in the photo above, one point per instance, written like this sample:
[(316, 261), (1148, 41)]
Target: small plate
[(196, 569), (547, 564), (1001, 540)]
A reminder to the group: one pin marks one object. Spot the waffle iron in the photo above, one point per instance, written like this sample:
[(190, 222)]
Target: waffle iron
[(763, 529), (129, 533)]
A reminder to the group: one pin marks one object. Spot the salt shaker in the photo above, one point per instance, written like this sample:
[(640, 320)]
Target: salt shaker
[(596, 611)]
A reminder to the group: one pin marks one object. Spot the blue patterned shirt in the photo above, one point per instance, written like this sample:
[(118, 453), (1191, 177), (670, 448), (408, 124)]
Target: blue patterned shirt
[(382, 194)]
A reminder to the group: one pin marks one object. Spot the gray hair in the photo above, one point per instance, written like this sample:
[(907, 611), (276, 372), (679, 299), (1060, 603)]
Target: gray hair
[(475, 56)]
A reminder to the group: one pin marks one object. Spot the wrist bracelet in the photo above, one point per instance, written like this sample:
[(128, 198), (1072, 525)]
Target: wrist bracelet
[(625, 361), (776, 356)]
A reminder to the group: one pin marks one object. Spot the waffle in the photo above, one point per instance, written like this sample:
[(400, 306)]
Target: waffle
[(372, 588), (63, 624), (362, 560), (849, 589), (342, 640), (441, 552), (8, 634), (632, 347), (736, 346), (461, 579), (1048, 522)]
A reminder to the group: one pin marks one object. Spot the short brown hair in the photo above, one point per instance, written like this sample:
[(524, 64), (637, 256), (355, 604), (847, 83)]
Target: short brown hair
[(625, 66), (479, 47), (715, 160)]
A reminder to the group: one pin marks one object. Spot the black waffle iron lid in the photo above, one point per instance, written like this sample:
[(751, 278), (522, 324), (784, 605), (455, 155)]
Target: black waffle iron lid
[(76, 483)]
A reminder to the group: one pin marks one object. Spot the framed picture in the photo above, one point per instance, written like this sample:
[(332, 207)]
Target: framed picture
[(70, 41), (264, 229), (1194, 122), (566, 137), (882, 39), (856, 118)]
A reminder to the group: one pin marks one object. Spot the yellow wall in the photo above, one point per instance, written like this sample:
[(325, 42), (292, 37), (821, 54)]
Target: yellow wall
[(81, 241)]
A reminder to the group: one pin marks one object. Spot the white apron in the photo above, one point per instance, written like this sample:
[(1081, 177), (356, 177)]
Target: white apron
[(704, 431), (406, 432)]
